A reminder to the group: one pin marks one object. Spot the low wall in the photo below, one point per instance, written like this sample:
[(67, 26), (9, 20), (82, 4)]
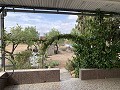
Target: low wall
[(86, 74), (29, 76), (3, 82), (34, 76)]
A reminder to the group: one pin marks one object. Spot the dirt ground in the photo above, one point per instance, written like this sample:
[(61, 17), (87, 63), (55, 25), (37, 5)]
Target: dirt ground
[(21, 47), (62, 57)]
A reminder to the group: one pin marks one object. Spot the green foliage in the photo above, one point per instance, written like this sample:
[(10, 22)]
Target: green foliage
[(73, 65), (14, 36), (22, 60), (75, 32), (19, 35), (74, 38), (52, 64), (30, 34), (52, 33), (70, 65), (101, 44)]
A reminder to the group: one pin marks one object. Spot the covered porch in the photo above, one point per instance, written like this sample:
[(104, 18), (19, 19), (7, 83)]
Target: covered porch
[(55, 79)]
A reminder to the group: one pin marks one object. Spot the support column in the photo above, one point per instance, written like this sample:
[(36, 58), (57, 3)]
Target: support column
[(0, 44), (2, 40)]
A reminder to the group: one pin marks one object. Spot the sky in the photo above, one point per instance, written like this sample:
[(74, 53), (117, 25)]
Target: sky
[(43, 22)]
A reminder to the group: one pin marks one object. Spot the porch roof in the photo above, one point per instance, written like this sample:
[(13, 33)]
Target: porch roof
[(107, 6)]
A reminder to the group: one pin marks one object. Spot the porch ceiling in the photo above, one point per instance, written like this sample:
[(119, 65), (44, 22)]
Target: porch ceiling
[(66, 5)]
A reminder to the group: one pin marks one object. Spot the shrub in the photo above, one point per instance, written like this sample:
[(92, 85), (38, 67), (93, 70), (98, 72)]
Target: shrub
[(69, 65), (73, 66), (100, 47), (22, 60), (52, 64)]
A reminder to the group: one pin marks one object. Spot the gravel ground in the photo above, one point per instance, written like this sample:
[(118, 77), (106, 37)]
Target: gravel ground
[(72, 84), (68, 83)]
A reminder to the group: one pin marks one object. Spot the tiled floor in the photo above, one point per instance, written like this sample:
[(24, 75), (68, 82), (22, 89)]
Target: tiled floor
[(68, 83)]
